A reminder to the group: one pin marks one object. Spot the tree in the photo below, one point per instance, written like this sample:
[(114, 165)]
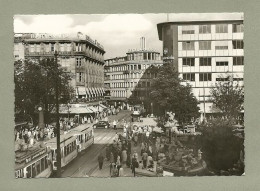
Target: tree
[(169, 94), (221, 149), (228, 96), (35, 83)]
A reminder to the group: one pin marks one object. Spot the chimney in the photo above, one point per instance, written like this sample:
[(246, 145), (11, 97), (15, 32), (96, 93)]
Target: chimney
[(142, 43)]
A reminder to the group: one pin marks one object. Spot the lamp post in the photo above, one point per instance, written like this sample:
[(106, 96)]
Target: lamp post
[(41, 117), (57, 93)]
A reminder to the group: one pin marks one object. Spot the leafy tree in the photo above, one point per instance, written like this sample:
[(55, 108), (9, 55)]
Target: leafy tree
[(35, 82), (168, 94), (228, 96), (221, 149)]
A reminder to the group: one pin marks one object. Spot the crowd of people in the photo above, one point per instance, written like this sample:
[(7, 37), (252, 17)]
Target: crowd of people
[(29, 136), (136, 147)]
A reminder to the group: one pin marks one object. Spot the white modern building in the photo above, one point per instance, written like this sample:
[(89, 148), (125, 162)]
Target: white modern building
[(206, 48)]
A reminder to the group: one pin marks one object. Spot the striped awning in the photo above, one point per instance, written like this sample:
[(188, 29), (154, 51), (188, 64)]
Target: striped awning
[(88, 92)]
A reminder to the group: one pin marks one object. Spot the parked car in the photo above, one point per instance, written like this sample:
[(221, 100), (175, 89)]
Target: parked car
[(102, 124)]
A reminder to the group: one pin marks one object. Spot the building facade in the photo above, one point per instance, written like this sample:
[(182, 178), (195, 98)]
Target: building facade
[(77, 54), (128, 76), (205, 52)]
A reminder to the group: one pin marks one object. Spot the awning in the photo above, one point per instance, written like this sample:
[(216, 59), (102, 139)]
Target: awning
[(103, 90), (93, 109), (101, 105), (95, 89), (81, 91), (100, 89), (88, 92), (73, 109), (80, 110)]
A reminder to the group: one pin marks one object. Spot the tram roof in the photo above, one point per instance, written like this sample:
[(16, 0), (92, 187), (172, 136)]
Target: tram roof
[(63, 138)]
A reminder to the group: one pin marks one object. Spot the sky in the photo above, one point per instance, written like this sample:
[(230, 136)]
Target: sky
[(118, 33)]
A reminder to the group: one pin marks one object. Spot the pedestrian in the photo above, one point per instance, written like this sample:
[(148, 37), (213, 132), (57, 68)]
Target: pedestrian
[(100, 161), (134, 165), (144, 158), (114, 124), (124, 157)]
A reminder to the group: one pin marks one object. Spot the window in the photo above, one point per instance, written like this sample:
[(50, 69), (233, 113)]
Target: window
[(238, 44), (43, 167), (29, 172), (238, 79), (205, 77), (78, 62), (206, 61), (52, 47), (205, 45), (189, 76), (238, 28), (222, 79), (80, 77), (33, 170), (222, 28), (221, 47), (135, 67), (188, 61), (203, 29), (188, 31), (238, 60), (139, 66), (188, 45), (225, 63), (148, 84)]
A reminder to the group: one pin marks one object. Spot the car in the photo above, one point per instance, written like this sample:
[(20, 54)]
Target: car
[(102, 124)]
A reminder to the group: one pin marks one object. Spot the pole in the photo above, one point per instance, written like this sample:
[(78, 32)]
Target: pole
[(57, 116)]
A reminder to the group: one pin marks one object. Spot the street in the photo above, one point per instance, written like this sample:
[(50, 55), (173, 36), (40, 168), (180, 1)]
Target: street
[(86, 162)]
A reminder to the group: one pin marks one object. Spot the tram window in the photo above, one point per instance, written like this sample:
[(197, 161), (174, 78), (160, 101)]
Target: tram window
[(38, 167), (17, 174), (33, 170), (42, 164), (46, 162), (68, 151), (29, 172), (65, 151)]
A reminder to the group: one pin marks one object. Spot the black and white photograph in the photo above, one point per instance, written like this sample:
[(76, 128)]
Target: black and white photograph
[(128, 95)]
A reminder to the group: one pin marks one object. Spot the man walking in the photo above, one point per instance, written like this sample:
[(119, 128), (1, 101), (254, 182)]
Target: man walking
[(100, 161)]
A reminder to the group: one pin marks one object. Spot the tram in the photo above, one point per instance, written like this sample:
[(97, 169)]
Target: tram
[(84, 136), (68, 149), (138, 110), (33, 162)]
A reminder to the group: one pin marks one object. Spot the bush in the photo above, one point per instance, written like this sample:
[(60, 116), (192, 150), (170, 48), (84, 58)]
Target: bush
[(221, 149)]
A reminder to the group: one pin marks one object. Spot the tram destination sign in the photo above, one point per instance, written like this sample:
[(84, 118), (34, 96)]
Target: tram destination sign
[(34, 156)]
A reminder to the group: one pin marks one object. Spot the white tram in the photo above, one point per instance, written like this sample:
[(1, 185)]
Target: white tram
[(34, 162), (68, 149), (84, 136)]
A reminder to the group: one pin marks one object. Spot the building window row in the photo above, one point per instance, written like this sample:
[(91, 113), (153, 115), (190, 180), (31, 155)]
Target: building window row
[(206, 45), (220, 28), (206, 77), (206, 61)]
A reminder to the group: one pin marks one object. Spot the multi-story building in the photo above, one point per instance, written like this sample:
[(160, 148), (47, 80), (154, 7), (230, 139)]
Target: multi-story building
[(129, 76), (79, 55), (205, 50)]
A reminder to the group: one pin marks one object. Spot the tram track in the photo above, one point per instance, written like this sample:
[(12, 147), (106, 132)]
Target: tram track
[(92, 152), (86, 162)]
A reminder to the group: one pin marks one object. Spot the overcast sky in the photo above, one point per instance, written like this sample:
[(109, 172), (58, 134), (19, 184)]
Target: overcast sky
[(116, 32)]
